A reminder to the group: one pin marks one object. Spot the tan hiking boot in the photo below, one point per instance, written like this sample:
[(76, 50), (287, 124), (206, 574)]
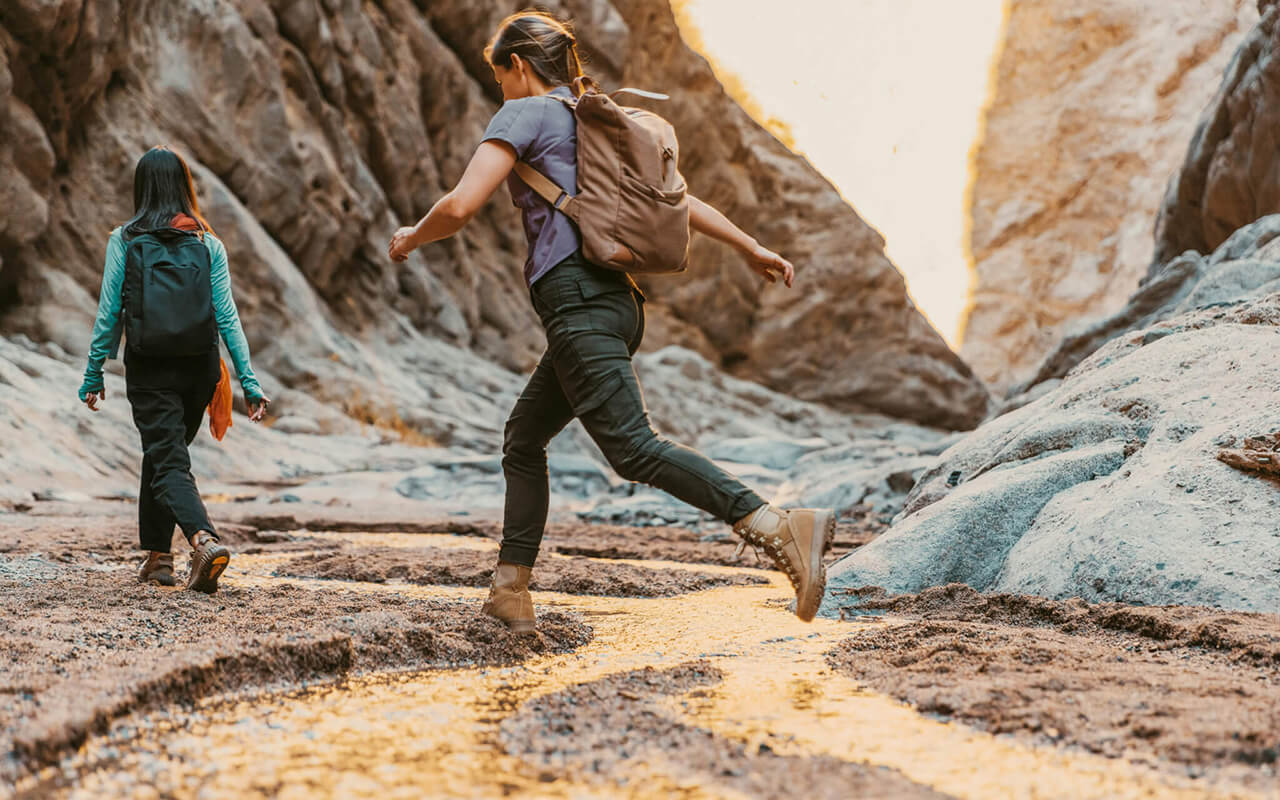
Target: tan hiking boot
[(509, 598), (208, 562), (795, 539), (158, 567)]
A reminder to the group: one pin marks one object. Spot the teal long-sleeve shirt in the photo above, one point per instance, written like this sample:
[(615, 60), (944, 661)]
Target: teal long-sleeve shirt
[(108, 327)]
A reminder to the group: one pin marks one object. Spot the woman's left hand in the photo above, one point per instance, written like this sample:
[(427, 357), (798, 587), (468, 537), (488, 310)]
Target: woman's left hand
[(258, 410), (770, 265), (402, 244)]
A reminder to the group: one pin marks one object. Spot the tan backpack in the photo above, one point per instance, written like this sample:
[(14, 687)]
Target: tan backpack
[(631, 206)]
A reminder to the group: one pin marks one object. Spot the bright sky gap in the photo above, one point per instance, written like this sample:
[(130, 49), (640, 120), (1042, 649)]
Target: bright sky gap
[(884, 97)]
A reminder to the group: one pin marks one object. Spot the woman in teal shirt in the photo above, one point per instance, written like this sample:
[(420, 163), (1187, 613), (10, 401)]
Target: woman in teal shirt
[(168, 395)]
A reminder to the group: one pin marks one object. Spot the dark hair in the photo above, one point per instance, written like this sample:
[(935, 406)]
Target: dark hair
[(545, 43), (162, 189)]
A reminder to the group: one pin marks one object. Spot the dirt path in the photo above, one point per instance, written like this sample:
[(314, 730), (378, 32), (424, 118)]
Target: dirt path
[(565, 537), (1194, 687), (707, 694), (714, 691), (452, 566)]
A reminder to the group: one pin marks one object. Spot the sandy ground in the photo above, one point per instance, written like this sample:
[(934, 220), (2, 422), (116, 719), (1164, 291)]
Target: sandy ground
[(565, 536), (597, 727), (1197, 688), (84, 643), (451, 567), (1195, 691)]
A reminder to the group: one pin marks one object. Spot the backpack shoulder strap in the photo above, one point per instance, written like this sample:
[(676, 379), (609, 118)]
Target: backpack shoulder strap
[(547, 189)]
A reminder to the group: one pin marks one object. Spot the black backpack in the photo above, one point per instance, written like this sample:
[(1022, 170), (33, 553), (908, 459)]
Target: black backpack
[(168, 295)]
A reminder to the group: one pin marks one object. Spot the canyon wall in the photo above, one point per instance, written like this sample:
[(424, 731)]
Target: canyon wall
[(1091, 110), (314, 129)]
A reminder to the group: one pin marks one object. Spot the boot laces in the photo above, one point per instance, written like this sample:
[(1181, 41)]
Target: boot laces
[(773, 548)]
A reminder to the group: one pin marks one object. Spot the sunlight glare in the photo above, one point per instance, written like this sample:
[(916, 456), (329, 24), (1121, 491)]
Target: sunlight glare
[(884, 97)]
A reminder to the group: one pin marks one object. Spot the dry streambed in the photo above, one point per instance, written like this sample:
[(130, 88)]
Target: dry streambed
[(89, 645), (445, 566), (84, 645), (715, 689), (606, 727), (565, 537), (1194, 688)]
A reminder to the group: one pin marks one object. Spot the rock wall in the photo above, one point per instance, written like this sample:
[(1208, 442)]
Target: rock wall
[(315, 128), (1091, 109), (1231, 173)]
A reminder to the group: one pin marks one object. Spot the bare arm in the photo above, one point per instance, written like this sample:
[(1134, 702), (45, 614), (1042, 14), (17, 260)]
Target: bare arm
[(704, 218), (488, 168)]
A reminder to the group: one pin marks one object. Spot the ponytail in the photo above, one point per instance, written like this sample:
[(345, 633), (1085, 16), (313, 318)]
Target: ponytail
[(545, 43)]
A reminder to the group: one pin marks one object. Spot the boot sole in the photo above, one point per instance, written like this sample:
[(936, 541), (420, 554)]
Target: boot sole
[(513, 625), (167, 580), (807, 605), (207, 566)]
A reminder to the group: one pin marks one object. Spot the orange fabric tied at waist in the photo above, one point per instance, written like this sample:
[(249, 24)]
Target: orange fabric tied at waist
[(220, 405)]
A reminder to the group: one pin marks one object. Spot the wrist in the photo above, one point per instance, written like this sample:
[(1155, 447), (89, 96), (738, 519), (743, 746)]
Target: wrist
[(747, 245)]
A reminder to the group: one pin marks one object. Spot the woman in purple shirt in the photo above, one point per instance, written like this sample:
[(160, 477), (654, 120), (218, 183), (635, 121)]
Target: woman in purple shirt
[(594, 321)]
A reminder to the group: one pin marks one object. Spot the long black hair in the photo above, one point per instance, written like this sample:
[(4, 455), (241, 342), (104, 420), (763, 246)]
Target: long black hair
[(162, 189)]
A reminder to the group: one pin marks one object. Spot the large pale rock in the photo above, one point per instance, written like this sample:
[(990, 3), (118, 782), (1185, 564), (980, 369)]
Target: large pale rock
[(315, 128), (1091, 110), (1109, 485)]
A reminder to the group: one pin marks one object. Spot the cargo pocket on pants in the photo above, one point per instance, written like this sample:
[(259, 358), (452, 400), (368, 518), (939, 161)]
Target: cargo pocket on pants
[(608, 385)]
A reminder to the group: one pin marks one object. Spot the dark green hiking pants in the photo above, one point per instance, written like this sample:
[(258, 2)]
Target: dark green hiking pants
[(594, 321)]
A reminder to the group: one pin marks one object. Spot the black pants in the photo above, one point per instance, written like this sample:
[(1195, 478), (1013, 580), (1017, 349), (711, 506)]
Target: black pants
[(169, 397), (594, 321)]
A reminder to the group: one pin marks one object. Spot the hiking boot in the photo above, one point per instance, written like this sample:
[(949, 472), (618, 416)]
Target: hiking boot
[(207, 562), (795, 539), (158, 567), (509, 598)]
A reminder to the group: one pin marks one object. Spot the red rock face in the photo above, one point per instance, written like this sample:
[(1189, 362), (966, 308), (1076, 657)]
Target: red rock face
[(315, 129), (1231, 175)]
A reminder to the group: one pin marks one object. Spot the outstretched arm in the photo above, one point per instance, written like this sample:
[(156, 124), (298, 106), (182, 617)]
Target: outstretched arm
[(705, 219), (489, 167)]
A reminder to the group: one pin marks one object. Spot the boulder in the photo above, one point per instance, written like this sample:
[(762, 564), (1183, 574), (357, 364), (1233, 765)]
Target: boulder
[(1109, 486)]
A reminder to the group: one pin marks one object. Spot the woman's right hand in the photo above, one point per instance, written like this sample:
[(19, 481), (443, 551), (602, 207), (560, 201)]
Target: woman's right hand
[(402, 244), (93, 398)]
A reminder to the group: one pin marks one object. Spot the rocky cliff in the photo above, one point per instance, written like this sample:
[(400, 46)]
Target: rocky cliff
[(314, 128), (1231, 174), (1091, 109)]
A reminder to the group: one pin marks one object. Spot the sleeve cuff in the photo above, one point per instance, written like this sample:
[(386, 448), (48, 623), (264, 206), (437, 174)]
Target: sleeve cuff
[(90, 385)]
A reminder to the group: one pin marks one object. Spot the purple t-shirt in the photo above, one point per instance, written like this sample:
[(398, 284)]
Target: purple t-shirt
[(544, 133)]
